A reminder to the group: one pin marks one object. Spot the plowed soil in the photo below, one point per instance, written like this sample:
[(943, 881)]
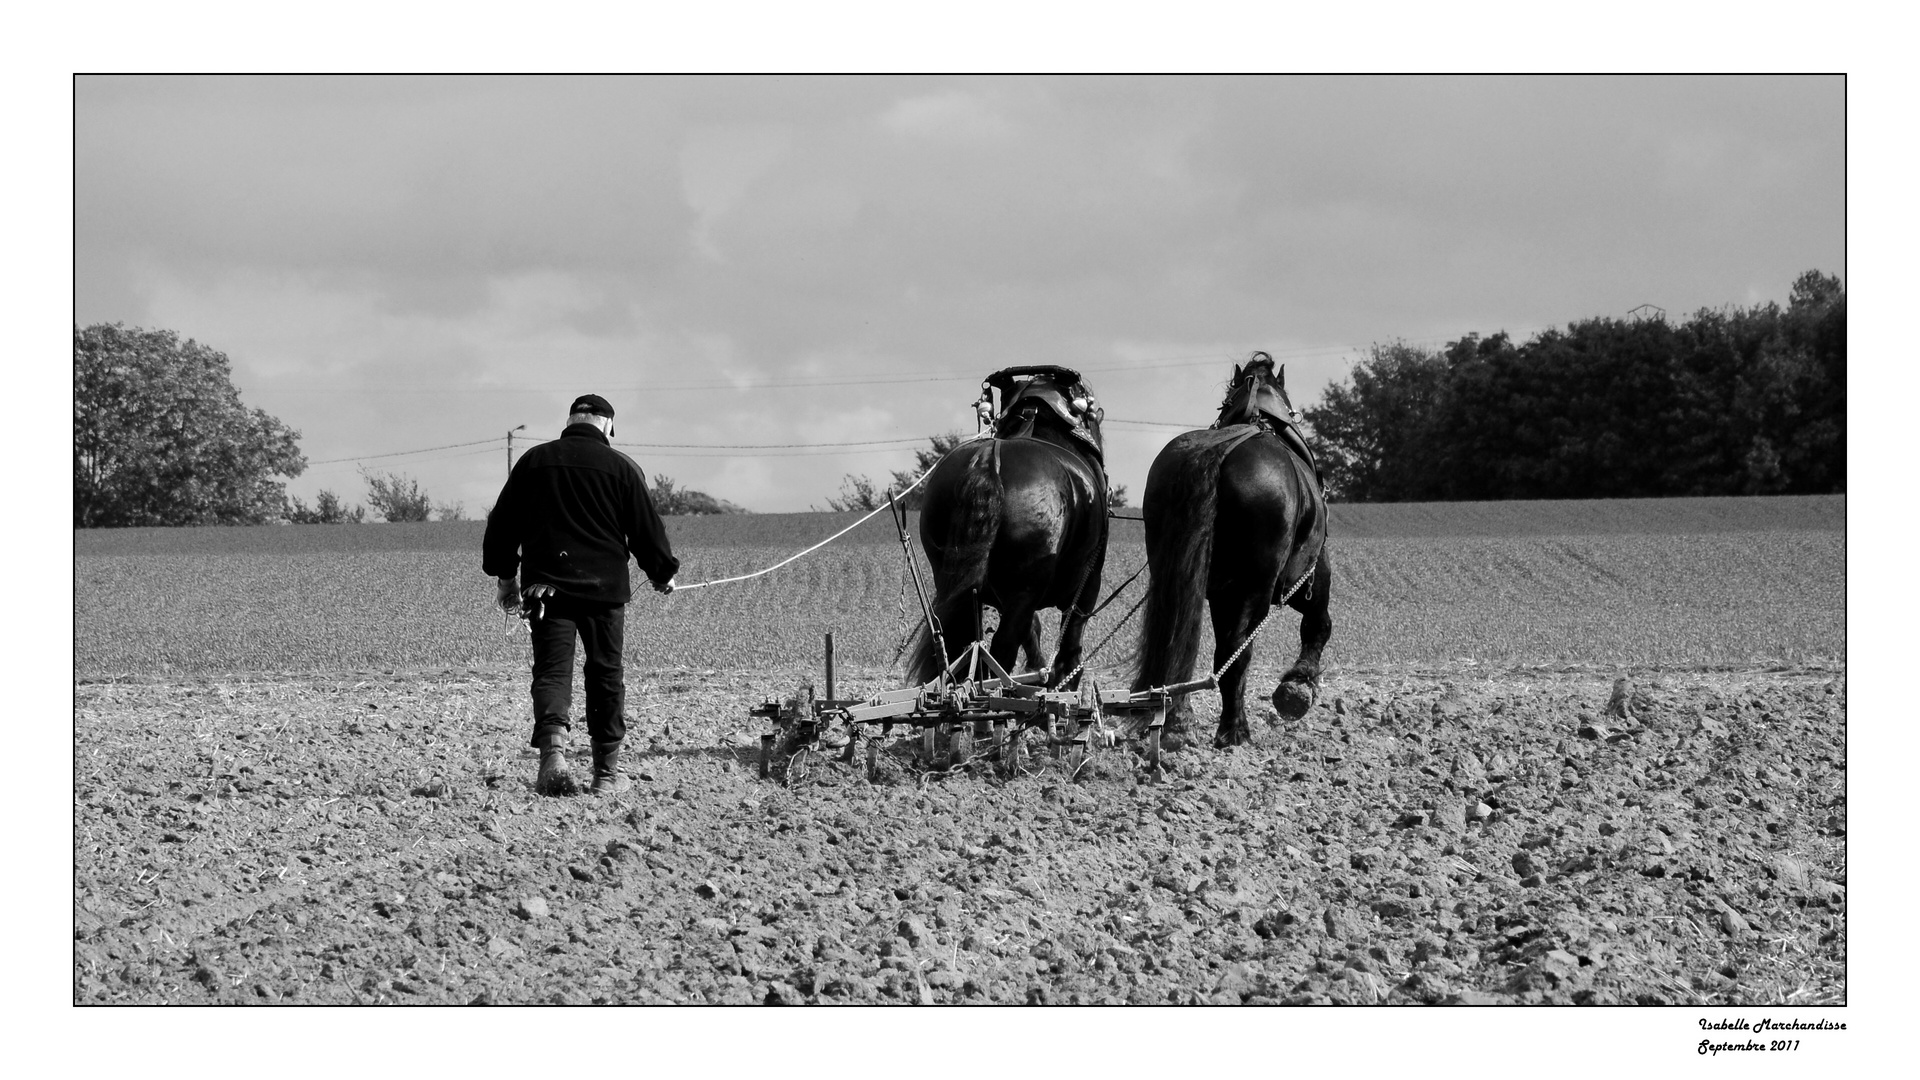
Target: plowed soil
[(1434, 835)]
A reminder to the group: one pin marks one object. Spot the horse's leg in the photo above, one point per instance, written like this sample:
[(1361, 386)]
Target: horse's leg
[(1073, 626), (1300, 687), (1249, 557), (959, 617), (1236, 609), (1032, 648)]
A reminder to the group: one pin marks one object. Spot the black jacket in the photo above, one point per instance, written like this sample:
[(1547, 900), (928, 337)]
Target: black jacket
[(569, 515)]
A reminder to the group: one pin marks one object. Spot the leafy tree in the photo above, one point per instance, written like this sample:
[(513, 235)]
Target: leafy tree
[(450, 511), (1117, 496), (857, 493), (327, 510), (1368, 431), (160, 436), (861, 493), (669, 498), (938, 447), (396, 497)]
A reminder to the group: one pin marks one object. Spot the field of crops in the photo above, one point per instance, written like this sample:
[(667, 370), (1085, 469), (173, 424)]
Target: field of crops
[(1564, 753), (1640, 583)]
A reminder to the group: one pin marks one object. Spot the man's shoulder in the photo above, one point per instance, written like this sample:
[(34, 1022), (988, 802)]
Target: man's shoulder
[(617, 460), (609, 457), (627, 460)]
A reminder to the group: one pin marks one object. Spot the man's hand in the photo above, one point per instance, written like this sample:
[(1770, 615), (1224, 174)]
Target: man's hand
[(509, 594), (663, 587)]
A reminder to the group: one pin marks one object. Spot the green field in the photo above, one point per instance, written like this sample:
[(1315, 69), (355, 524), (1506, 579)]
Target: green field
[(1648, 583)]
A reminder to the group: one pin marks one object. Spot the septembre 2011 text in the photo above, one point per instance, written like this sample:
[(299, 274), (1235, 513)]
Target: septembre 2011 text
[(1757, 1027)]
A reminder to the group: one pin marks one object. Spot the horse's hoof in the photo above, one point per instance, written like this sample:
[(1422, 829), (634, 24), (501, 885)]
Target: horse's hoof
[(1292, 699), (1237, 735), (1176, 733)]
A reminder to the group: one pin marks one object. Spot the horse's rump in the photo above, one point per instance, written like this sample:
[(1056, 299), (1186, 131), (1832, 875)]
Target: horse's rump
[(1018, 524), (1178, 504)]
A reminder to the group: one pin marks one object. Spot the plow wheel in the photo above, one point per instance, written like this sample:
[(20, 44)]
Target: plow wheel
[(929, 735), (1153, 748), (873, 760), (960, 744)]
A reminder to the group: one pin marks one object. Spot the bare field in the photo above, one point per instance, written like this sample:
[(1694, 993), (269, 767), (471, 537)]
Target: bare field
[(1419, 838), (300, 775)]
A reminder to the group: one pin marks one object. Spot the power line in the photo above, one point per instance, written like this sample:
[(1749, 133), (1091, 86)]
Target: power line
[(696, 449), (440, 457), (403, 453), (1143, 423), (765, 446)]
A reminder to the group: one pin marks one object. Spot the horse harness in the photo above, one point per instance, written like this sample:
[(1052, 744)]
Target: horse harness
[(1269, 412), (1026, 391)]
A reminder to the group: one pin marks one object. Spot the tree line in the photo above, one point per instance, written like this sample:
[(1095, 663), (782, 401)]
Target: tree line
[(1737, 401)]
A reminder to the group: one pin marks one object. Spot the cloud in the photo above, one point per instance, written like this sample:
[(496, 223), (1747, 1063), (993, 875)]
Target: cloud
[(952, 114), (718, 165)]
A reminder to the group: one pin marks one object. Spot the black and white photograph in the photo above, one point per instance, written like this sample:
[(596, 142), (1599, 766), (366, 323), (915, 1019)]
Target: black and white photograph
[(1057, 540)]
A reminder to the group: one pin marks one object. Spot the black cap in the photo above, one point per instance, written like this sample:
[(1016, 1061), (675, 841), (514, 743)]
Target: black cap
[(591, 403)]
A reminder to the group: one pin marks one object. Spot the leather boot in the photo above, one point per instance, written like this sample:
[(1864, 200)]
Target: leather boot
[(607, 777), (555, 778)]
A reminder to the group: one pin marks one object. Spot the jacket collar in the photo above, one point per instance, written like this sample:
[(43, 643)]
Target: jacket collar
[(585, 431)]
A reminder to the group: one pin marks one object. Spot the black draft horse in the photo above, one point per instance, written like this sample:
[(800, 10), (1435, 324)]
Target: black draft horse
[(1235, 517), (1019, 522)]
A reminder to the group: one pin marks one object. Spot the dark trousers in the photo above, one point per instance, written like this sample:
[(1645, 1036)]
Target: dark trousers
[(601, 629)]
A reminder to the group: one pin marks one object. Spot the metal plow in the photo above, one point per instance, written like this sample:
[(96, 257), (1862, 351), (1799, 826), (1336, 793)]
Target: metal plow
[(975, 699)]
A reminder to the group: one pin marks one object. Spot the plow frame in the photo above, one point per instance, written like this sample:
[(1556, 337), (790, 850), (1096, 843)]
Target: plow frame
[(975, 695)]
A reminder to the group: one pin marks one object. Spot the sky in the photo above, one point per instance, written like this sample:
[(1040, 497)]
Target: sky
[(399, 264)]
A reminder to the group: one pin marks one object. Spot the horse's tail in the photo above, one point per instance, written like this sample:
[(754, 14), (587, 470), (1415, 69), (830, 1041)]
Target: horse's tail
[(973, 519), (1179, 510)]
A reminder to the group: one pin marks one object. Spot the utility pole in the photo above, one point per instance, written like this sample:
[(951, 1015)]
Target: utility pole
[(510, 432)]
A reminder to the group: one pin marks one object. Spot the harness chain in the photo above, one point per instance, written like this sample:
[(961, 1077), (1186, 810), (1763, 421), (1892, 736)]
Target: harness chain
[(1095, 651), (900, 619), (1255, 632)]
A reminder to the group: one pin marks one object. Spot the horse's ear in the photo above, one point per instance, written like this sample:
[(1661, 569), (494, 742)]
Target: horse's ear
[(1280, 375), (1236, 374)]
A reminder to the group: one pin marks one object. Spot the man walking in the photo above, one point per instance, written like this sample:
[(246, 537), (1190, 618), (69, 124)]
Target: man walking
[(571, 513)]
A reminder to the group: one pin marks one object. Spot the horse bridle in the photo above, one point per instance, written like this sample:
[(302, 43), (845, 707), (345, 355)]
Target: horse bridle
[(1246, 380)]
